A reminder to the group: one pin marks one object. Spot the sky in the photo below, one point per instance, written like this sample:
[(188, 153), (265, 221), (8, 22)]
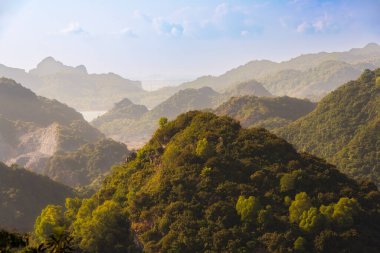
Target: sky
[(179, 39)]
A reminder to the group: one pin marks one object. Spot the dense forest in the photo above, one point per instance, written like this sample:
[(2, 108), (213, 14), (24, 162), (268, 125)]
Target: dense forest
[(86, 166), (265, 112), (344, 128), (24, 194), (205, 184)]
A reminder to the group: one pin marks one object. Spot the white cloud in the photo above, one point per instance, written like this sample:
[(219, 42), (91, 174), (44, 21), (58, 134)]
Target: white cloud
[(72, 28), (321, 23), (221, 10), (128, 32), (303, 27), (168, 28), (244, 33), (139, 15)]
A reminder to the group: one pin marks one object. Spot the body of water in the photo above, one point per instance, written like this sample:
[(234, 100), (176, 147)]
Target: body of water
[(91, 115)]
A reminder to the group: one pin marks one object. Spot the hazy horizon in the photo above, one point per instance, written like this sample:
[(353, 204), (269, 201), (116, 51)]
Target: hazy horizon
[(179, 40)]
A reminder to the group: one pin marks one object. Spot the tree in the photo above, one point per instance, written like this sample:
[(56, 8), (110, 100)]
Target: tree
[(105, 229), (300, 244), (287, 182), (310, 220), (299, 205), (248, 208), (342, 213), (50, 222), (204, 148), (162, 122)]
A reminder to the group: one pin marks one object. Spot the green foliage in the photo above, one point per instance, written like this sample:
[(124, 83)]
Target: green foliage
[(265, 112), (9, 241), (162, 122), (344, 128), (204, 149), (287, 182), (310, 220), (124, 124), (86, 166), (103, 229), (51, 222), (169, 199), (341, 213), (300, 205), (24, 194), (300, 244), (248, 208)]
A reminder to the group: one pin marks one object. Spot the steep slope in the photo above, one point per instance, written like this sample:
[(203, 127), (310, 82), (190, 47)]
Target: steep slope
[(204, 184), (74, 86), (23, 195), (136, 130), (86, 166), (251, 88), (343, 128), (33, 128), (265, 112)]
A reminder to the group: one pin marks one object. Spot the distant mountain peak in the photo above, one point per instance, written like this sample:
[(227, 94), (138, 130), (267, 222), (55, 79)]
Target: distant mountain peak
[(50, 66), (123, 103)]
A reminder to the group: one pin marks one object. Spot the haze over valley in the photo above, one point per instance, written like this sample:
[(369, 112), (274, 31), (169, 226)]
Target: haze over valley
[(188, 126)]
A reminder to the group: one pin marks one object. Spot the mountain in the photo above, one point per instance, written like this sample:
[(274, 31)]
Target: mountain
[(344, 128), (266, 112), (205, 184), (133, 124), (24, 194), (315, 82), (74, 85), (33, 128), (307, 76), (86, 166)]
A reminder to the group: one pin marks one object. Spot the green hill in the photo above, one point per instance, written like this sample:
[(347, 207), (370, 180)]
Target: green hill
[(136, 130), (24, 194), (344, 128), (265, 112), (204, 184), (87, 165)]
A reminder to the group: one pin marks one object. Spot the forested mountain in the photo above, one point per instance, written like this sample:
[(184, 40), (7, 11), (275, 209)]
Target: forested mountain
[(52, 139), (135, 129), (265, 112), (87, 165), (204, 184), (134, 124), (24, 194), (344, 128), (307, 76), (74, 86)]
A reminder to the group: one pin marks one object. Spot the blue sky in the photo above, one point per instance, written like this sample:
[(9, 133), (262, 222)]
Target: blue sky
[(179, 39)]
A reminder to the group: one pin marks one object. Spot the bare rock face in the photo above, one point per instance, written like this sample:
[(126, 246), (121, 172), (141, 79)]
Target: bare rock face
[(33, 128), (36, 147)]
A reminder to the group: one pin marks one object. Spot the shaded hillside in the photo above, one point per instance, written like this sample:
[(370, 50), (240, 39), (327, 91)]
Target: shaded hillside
[(344, 128), (87, 165), (33, 128), (265, 112), (74, 86), (24, 194), (204, 184)]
